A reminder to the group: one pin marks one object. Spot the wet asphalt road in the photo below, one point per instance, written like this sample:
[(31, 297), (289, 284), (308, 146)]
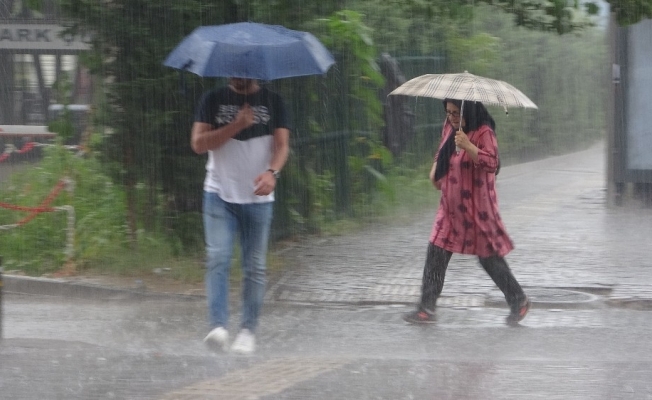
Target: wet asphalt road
[(55, 348), (331, 327)]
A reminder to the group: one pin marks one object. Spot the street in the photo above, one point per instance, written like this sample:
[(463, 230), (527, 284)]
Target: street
[(62, 349)]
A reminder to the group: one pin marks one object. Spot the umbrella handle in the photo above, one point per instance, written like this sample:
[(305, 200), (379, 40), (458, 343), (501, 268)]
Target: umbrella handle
[(457, 148)]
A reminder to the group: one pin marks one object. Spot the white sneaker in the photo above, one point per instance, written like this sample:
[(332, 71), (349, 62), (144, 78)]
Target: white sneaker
[(244, 343), (218, 338)]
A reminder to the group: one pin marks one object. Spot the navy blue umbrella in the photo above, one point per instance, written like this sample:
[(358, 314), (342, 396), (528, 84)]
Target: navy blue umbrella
[(250, 50)]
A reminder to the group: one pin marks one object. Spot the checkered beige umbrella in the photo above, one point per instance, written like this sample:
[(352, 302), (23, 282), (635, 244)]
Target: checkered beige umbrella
[(465, 86)]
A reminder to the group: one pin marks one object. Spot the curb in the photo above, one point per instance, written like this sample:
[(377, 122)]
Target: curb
[(64, 288), (16, 284), (550, 297), (632, 303)]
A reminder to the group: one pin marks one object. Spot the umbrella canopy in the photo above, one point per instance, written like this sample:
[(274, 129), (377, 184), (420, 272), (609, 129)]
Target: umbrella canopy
[(465, 86), (250, 50)]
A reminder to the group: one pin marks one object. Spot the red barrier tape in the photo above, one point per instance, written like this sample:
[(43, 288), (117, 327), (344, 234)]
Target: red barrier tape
[(29, 146), (34, 211)]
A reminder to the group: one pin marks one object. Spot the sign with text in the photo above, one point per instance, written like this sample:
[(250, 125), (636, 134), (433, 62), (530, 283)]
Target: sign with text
[(40, 37)]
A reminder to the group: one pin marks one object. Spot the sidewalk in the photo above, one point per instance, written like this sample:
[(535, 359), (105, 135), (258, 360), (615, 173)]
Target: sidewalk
[(569, 248)]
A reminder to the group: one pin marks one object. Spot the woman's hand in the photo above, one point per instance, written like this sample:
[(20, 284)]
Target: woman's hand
[(462, 141)]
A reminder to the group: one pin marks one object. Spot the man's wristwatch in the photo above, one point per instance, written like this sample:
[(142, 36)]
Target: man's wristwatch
[(274, 172)]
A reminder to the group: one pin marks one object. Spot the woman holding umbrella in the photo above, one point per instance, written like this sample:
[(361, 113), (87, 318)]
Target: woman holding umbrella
[(467, 221)]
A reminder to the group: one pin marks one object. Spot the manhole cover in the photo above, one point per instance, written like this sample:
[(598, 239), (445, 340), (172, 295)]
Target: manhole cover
[(547, 296)]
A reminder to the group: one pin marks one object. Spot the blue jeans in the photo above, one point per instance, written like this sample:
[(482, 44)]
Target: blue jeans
[(222, 221)]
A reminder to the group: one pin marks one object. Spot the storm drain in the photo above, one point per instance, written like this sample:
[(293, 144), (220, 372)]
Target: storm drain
[(268, 378), (547, 297), (410, 294)]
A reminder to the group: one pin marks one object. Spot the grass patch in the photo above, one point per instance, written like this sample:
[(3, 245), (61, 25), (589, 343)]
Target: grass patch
[(103, 246), (407, 196)]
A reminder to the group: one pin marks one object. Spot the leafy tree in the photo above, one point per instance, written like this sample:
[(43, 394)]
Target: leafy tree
[(145, 117), (631, 11)]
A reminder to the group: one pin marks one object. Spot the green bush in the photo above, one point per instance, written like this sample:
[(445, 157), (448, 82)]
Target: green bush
[(39, 246), (101, 238)]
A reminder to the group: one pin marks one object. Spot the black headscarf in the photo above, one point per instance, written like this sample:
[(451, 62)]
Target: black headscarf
[(475, 115)]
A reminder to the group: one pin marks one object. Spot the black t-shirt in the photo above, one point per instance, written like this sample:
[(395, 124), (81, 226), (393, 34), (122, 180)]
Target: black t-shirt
[(220, 106)]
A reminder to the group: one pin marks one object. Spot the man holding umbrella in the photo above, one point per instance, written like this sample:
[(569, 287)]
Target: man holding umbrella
[(245, 130)]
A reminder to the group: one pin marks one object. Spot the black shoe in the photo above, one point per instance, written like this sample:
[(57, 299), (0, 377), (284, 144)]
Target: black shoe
[(419, 317), (518, 314)]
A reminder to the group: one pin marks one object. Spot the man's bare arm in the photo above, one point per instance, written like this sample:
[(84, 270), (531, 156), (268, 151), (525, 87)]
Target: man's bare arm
[(266, 182), (203, 137), (281, 148)]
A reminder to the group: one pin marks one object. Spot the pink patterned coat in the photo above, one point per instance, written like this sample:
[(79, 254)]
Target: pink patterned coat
[(468, 221)]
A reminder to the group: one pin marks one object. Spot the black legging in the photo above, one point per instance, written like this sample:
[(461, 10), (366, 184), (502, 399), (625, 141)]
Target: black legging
[(434, 273)]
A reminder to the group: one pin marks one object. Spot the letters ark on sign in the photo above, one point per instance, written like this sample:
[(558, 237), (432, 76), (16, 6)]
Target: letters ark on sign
[(40, 37), (25, 35)]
